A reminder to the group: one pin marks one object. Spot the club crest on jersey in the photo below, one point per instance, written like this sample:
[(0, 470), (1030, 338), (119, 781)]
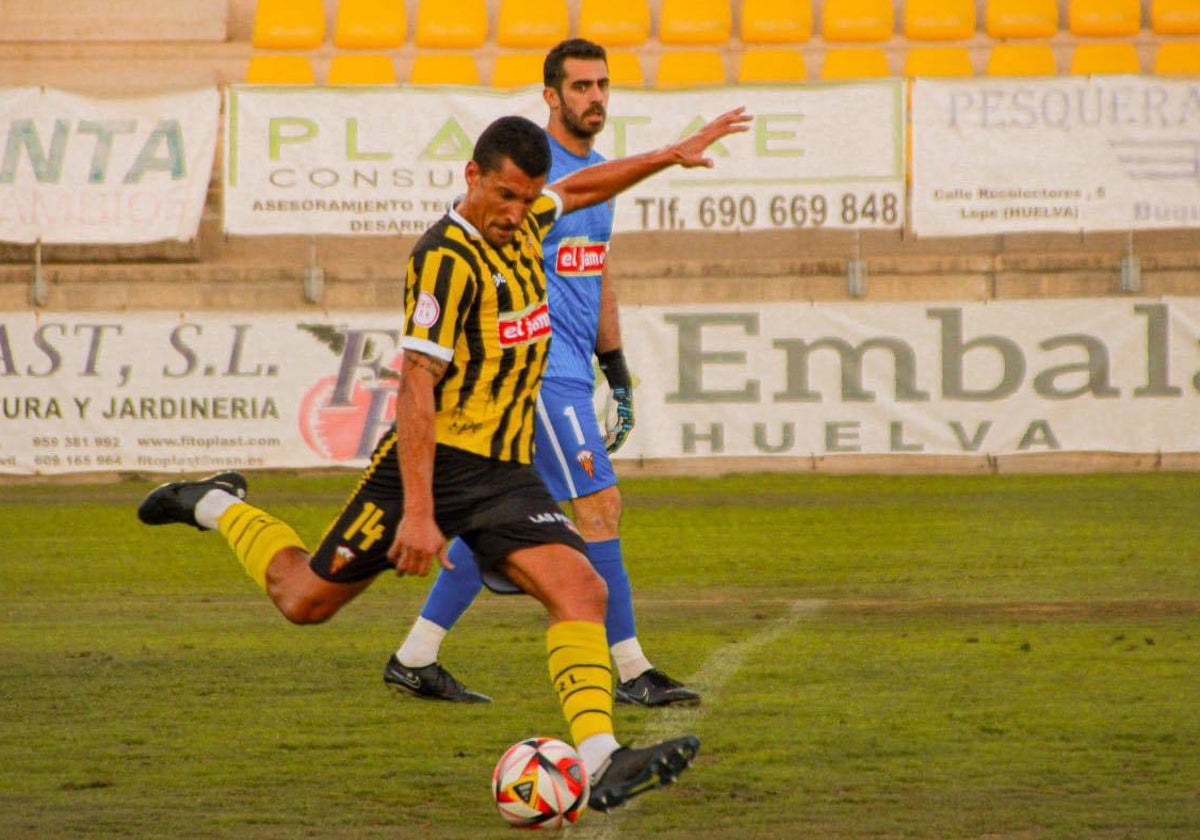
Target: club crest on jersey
[(524, 327), (580, 258), (427, 310)]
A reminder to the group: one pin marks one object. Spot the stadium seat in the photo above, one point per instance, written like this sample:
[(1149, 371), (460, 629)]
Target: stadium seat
[(461, 25), (1105, 60), (288, 24), (518, 69), (768, 65), (695, 22), (615, 23), (530, 24), (939, 20), (776, 21), (625, 69), (937, 62), (280, 69), (855, 63), (858, 20), (361, 69), (1177, 58), (1021, 18), (1022, 60), (1175, 17), (370, 24), (444, 68), (690, 68), (1104, 18)]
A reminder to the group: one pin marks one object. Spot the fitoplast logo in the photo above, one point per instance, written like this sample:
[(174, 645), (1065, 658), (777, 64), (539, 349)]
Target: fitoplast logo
[(342, 416)]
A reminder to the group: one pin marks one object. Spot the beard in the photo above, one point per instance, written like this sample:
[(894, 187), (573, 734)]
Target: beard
[(576, 125)]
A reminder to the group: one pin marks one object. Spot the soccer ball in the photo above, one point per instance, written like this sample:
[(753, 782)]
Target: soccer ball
[(540, 783)]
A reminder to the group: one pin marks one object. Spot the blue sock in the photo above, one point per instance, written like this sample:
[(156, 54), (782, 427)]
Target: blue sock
[(606, 558), (454, 589)]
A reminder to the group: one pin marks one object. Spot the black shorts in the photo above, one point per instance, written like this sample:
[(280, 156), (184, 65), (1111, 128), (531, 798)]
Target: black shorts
[(495, 507)]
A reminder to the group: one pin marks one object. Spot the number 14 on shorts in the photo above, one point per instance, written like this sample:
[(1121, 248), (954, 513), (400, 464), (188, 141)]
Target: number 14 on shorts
[(366, 527)]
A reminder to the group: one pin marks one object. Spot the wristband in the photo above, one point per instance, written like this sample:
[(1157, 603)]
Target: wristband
[(616, 372)]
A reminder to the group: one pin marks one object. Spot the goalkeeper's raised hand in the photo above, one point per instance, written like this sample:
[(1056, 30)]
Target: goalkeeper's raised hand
[(616, 373)]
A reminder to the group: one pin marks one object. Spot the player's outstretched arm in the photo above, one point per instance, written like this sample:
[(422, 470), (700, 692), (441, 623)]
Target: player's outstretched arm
[(602, 181)]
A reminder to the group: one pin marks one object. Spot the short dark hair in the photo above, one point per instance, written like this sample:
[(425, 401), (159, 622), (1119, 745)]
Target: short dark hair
[(552, 68), (520, 140)]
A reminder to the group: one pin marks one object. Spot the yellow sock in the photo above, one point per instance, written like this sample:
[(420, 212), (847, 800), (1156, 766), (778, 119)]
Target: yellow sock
[(582, 676), (256, 537)]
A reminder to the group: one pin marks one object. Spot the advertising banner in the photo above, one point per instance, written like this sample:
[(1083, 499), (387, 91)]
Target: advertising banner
[(390, 161), (164, 392), (1054, 155), (997, 378), (84, 171)]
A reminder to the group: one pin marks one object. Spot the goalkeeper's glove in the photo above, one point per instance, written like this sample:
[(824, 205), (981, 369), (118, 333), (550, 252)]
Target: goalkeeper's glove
[(616, 429)]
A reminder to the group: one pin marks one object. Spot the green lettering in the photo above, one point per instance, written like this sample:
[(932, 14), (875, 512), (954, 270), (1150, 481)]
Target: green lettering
[(281, 130), (167, 132), (763, 136), (47, 168), (352, 152), (102, 153), (449, 143)]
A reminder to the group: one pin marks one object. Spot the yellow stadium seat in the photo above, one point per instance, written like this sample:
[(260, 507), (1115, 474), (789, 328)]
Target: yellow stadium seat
[(691, 68), (1021, 18), (458, 25), (858, 20), (526, 24), (1022, 60), (855, 63), (768, 65), (939, 20), (937, 62), (615, 23), (518, 69), (444, 68), (1104, 18), (695, 22), (370, 24), (280, 69), (1177, 58), (1175, 17), (776, 21), (361, 69), (625, 69), (1105, 60), (288, 24)]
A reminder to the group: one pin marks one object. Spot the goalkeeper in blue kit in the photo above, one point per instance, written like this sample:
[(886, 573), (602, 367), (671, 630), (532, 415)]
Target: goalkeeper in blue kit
[(571, 455)]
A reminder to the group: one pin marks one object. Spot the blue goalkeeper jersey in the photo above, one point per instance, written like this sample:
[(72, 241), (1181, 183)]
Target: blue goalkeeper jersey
[(574, 253)]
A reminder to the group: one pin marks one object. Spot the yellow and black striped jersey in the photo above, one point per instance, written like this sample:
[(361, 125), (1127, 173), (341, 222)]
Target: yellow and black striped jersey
[(483, 310)]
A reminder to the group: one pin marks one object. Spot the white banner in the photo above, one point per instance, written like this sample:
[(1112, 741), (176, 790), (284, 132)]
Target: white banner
[(87, 171), (161, 392), (389, 161), (1064, 154), (980, 379)]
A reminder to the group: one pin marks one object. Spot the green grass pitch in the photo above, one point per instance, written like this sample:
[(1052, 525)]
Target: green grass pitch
[(881, 657)]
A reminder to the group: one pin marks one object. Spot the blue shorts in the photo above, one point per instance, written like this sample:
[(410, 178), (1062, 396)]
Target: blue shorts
[(569, 451)]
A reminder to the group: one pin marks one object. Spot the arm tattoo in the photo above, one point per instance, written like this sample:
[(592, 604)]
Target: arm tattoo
[(434, 367)]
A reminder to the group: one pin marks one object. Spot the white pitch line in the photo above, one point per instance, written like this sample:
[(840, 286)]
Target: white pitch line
[(713, 676)]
